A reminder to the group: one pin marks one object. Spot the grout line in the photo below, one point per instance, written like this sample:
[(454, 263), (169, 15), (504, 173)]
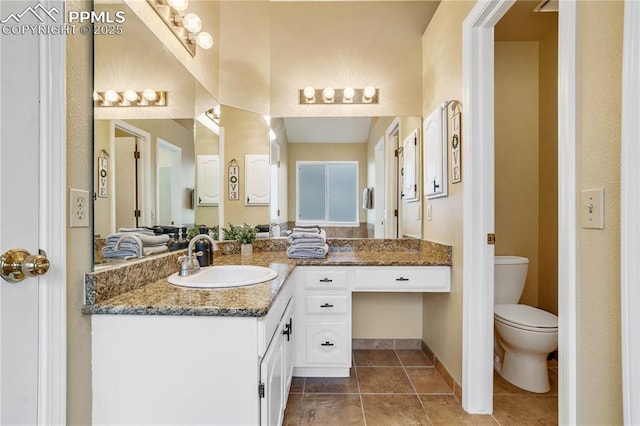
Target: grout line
[(404, 368), (355, 372)]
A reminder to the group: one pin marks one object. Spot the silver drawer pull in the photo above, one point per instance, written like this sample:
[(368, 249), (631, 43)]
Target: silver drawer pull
[(326, 305), (326, 280), (402, 279), (326, 344)]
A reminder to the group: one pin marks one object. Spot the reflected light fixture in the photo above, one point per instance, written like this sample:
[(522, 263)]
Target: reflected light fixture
[(187, 28), (130, 98), (329, 95)]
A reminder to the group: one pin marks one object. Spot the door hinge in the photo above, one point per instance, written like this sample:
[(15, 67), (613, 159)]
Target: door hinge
[(491, 239), (278, 163), (395, 152), (136, 154), (261, 390), (415, 141), (278, 213), (395, 212), (136, 213), (415, 187)]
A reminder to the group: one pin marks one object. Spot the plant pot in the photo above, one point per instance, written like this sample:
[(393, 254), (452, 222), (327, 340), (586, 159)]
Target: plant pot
[(246, 249)]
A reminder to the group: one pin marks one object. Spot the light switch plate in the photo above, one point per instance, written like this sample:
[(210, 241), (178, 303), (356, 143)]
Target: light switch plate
[(78, 208), (592, 208), (429, 217)]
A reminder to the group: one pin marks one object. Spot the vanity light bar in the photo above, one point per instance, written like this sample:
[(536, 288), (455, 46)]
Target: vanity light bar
[(187, 28), (130, 98), (329, 95)]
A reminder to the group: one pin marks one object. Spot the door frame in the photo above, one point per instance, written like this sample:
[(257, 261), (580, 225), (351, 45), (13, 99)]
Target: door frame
[(478, 216), (391, 221), (52, 357), (629, 208), (176, 159)]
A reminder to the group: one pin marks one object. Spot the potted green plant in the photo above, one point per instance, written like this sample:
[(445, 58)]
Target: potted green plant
[(245, 236)]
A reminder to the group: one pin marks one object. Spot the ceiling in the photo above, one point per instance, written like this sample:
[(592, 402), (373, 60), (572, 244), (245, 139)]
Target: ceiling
[(327, 129), (521, 23)]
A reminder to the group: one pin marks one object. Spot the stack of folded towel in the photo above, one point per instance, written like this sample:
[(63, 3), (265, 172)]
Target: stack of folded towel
[(307, 243), (151, 243)]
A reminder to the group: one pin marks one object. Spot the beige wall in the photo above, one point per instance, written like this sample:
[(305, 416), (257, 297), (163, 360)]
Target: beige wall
[(548, 172), (599, 64), (206, 143), (79, 240), (277, 125), (442, 80), (516, 156), (344, 44), (326, 152), (244, 133)]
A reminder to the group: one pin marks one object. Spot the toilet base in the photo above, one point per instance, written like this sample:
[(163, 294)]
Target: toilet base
[(526, 371)]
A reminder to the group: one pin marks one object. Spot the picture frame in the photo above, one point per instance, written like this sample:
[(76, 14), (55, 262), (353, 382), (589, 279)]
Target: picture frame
[(456, 148)]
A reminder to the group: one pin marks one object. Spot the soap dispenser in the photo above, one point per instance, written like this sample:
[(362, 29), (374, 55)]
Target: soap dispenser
[(204, 247)]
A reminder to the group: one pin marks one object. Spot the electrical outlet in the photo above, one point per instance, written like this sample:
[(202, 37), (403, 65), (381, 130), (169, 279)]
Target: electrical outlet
[(429, 212), (78, 208)]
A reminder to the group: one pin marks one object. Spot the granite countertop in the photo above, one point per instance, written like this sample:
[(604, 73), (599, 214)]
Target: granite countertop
[(136, 288)]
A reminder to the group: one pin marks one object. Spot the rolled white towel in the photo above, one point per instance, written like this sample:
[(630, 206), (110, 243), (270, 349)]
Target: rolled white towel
[(138, 230)]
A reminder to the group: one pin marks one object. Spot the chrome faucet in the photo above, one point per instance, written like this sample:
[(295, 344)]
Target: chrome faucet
[(189, 264), (135, 240), (272, 234)]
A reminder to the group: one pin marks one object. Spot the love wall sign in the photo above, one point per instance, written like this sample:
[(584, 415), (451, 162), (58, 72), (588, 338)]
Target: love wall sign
[(233, 183)]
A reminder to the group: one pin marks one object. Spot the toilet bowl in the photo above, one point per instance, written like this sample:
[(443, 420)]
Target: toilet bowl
[(527, 335), (524, 335)]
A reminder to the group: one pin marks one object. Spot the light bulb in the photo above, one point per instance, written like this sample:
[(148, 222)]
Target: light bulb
[(328, 93), (192, 23), (97, 97), (216, 111), (204, 40), (150, 95), (179, 5), (131, 96), (309, 92), (348, 93), (111, 96), (369, 92)]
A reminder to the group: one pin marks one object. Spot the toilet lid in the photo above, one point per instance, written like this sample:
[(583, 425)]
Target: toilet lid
[(527, 316)]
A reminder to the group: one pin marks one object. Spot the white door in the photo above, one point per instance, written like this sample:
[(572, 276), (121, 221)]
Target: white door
[(126, 176), (32, 206), (208, 180), (378, 193), (271, 378)]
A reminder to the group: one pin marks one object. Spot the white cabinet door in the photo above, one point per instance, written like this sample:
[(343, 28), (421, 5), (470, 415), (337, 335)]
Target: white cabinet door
[(208, 180), (256, 179), (288, 350), (272, 378)]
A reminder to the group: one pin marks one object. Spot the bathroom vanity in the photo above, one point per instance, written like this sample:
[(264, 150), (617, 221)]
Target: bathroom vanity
[(163, 354)]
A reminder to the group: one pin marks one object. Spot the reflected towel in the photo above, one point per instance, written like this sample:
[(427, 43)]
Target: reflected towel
[(308, 237), (307, 251), (147, 239), (146, 231)]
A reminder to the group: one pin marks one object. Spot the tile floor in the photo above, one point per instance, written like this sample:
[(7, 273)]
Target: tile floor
[(402, 387)]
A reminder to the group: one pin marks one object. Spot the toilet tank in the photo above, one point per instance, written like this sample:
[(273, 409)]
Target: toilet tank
[(510, 275)]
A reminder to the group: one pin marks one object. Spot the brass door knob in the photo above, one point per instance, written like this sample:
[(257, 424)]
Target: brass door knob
[(18, 264)]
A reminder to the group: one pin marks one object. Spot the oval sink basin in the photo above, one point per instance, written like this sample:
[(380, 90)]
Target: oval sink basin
[(224, 276)]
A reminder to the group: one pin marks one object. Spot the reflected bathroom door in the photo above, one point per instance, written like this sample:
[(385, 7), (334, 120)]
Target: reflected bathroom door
[(126, 188)]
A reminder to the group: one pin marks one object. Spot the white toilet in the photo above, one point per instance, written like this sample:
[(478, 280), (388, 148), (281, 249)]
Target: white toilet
[(525, 335)]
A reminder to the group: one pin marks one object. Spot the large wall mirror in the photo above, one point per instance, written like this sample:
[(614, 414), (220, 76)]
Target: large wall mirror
[(180, 175)]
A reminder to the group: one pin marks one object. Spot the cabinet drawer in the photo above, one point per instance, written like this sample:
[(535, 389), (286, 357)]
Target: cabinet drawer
[(330, 304), (328, 342), (325, 279), (403, 278)]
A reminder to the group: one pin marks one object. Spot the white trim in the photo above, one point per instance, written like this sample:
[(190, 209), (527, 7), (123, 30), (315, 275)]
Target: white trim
[(567, 214), (391, 222), (630, 214), (223, 170), (52, 294), (145, 170), (478, 199), (176, 207)]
